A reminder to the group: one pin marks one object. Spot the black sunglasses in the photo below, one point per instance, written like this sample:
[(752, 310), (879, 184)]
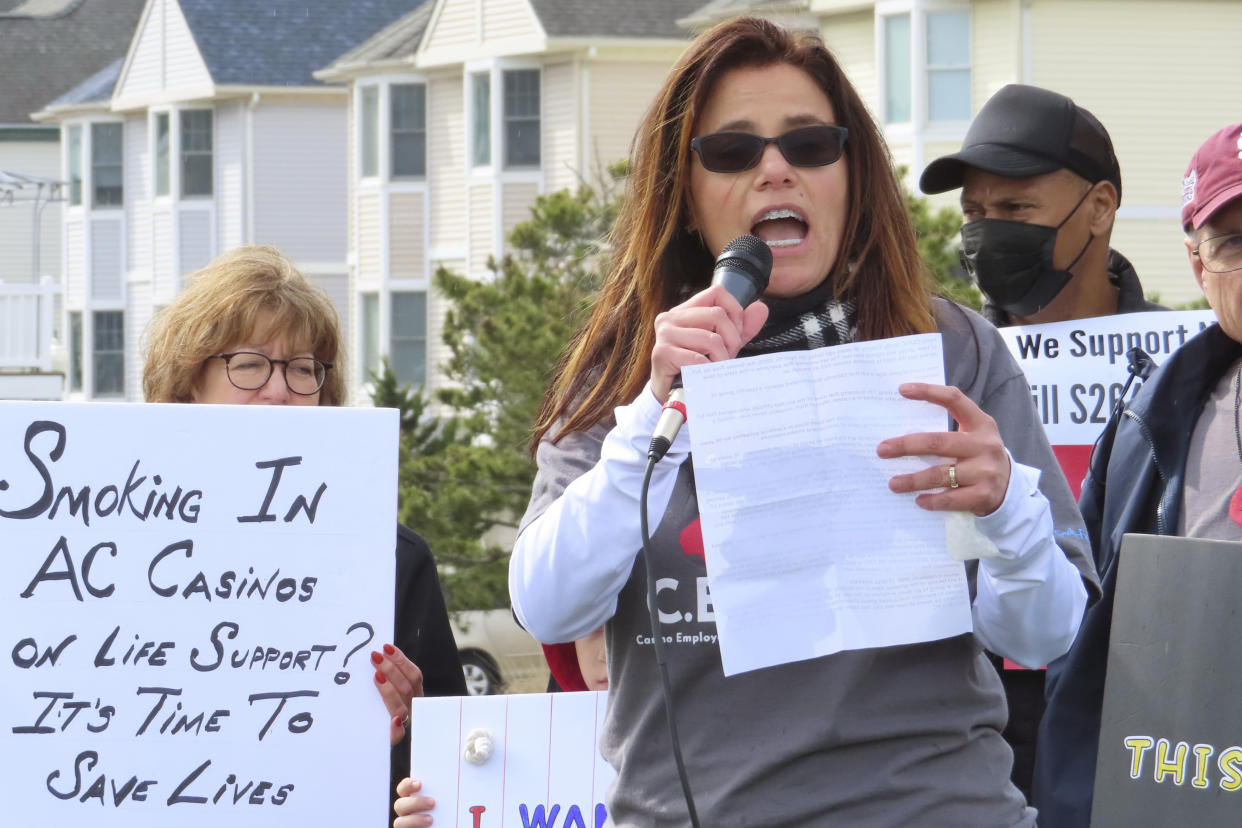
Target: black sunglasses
[(808, 146)]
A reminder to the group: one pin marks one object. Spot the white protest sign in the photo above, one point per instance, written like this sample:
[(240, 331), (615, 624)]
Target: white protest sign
[(1077, 370), (544, 769), (188, 598)]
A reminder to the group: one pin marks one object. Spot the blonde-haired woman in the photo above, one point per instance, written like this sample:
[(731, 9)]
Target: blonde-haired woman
[(249, 329)]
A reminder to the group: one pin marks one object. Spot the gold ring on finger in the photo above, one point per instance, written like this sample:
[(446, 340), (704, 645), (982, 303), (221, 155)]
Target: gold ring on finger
[(953, 484)]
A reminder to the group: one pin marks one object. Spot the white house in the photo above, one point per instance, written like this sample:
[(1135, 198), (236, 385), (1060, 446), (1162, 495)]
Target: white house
[(461, 113), (210, 133)]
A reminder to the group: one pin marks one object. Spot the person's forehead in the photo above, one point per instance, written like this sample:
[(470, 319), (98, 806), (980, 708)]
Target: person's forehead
[(980, 184), (1226, 219)]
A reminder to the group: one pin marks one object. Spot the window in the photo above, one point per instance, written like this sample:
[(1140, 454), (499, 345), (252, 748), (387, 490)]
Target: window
[(948, 66), (897, 69), (408, 116), (75, 350), (162, 137), (408, 351), (926, 66), (521, 118), (106, 157), (75, 165), (370, 335), (368, 151), (109, 353), (196, 175), (481, 119)]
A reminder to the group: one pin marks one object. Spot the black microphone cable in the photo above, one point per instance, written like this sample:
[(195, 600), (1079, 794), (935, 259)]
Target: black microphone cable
[(743, 268), (657, 636)]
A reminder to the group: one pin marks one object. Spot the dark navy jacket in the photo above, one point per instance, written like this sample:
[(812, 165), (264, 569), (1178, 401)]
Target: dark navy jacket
[(1145, 456)]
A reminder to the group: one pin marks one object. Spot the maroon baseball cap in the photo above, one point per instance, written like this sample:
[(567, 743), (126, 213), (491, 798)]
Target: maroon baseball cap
[(1214, 177)]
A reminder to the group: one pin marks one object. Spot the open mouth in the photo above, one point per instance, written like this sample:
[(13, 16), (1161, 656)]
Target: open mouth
[(781, 227)]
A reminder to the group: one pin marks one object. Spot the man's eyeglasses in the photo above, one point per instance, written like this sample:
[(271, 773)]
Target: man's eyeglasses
[(249, 371), (1221, 254), (809, 146)]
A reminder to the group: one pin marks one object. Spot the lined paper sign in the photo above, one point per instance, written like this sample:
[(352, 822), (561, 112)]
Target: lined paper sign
[(545, 768), (186, 591)]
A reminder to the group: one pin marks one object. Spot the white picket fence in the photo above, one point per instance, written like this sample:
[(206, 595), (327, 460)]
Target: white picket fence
[(26, 323)]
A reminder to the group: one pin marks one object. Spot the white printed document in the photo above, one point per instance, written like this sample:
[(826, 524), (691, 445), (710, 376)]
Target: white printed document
[(808, 552)]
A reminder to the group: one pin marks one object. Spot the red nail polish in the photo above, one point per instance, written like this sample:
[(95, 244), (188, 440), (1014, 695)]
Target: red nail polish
[(377, 659), (389, 649), (380, 678)]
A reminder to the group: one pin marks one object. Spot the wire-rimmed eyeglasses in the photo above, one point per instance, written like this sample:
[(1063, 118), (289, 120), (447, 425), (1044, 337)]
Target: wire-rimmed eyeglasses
[(1221, 254), (248, 371)]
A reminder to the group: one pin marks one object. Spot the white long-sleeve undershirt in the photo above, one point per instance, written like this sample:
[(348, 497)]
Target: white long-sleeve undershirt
[(570, 563)]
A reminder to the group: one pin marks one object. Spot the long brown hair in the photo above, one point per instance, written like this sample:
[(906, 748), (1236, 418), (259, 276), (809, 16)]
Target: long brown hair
[(659, 263)]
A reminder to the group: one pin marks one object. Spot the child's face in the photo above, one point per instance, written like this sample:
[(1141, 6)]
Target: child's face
[(593, 660)]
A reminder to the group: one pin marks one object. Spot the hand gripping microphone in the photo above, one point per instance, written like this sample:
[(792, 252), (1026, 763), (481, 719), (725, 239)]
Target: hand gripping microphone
[(743, 268)]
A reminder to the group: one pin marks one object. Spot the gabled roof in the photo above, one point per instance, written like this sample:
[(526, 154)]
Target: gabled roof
[(609, 18), (396, 42), (281, 42), (709, 14), (43, 57), (95, 89), (612, 19)]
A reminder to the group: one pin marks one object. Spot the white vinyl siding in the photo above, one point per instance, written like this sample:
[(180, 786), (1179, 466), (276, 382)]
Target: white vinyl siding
[(138, 174), (336, 287), (480, 196), (995, 49), (184, 65), (455, 26), (75, 262), (164, 56), (852, 38), (446, 163), (405, 236), (620, 94), (560, 127), (230, 165), (194, 240), (139, 308), (300, 182), (508, 19), (518, 199), (369, 239), (165, 278), (106, 265)]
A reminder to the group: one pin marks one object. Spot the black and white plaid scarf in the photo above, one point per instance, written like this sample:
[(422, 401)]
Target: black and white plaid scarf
[(813, 320)]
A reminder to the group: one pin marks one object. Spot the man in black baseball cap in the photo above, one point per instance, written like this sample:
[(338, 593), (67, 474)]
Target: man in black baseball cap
[(1040, 189)]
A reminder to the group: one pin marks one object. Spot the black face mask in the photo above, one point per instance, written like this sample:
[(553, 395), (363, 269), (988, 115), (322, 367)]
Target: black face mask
[(1011, 262)]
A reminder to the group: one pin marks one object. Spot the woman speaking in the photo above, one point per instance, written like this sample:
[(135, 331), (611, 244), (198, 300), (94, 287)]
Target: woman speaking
[(758, 131)]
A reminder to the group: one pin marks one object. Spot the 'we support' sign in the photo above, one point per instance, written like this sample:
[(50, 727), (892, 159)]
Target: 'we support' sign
[(188, 594)]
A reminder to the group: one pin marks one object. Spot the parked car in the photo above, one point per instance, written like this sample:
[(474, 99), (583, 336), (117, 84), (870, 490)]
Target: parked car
[(497, 655)]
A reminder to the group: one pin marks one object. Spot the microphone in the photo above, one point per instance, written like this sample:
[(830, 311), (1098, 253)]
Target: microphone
[(743, 268)]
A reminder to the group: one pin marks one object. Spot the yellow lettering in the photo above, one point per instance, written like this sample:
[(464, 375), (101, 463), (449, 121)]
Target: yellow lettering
[(1138, 745), (1176, 767), (1202, 754), (1230, 764)]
